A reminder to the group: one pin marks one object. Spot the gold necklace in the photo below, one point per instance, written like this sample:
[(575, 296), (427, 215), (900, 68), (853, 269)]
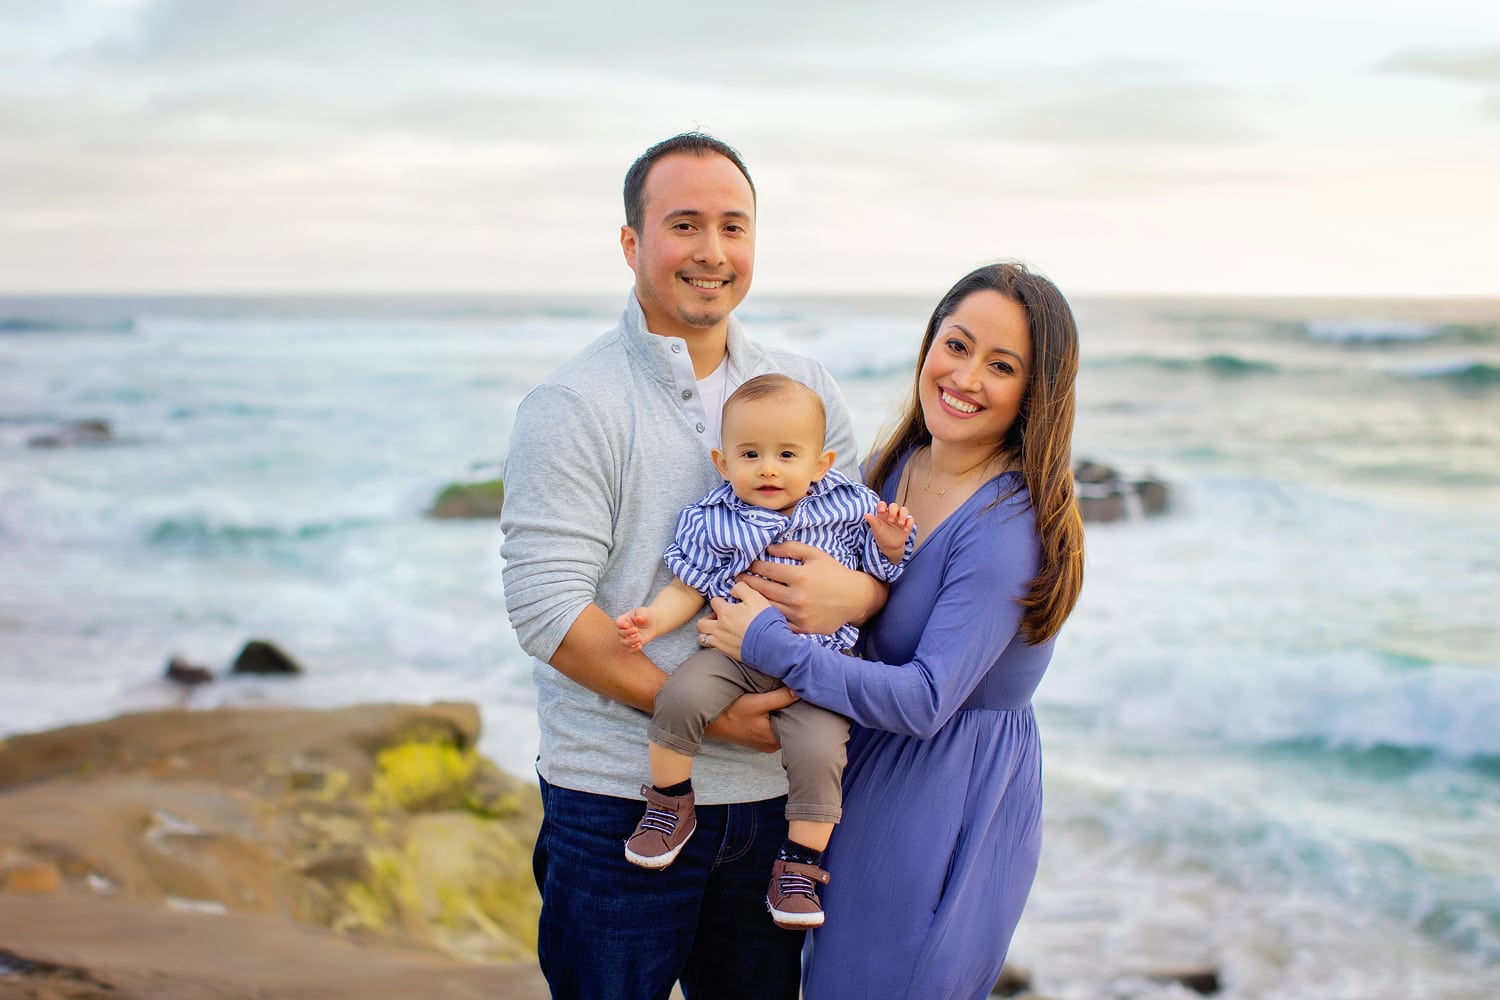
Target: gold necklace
[(927, 486)]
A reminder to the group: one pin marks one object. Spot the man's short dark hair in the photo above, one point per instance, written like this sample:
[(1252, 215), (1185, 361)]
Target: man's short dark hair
[(692, 143)]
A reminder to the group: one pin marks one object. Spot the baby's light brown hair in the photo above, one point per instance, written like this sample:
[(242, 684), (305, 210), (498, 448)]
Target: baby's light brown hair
[(777, 386)]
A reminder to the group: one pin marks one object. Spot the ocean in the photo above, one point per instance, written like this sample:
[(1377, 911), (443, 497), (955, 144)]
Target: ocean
[(1271, 729)]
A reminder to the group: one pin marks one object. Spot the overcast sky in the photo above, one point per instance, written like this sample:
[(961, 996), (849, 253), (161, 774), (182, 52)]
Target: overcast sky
[(1267, 147)]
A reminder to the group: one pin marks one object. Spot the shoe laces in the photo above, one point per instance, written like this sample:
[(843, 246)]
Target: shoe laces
[(660, 820), (792, 883)]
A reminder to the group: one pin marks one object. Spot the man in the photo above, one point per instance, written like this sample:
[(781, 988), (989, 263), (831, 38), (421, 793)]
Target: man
[(602, 457)]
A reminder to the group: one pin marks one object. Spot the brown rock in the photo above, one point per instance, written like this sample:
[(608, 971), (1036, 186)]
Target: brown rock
[(90, 431), (469, 500), (380, 821), (110, 950), (1094, 472), (1104, 506), (1013, 979), (36, 878), (1153, 496), (183, 672), (1202, 979), (261, 657)]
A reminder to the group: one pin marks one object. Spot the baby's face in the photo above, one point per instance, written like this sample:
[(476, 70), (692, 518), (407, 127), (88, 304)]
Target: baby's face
[(773, 451)]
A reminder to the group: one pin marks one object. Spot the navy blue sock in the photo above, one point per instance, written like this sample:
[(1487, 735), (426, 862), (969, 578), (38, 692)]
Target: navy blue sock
[(801, 854), (681, 788)]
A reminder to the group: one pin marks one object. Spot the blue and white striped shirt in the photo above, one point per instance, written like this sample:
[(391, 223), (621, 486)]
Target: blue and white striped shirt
[(719, 536)]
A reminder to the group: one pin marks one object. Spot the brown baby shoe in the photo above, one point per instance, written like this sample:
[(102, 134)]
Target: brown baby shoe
[(793, 895), (669, 821)]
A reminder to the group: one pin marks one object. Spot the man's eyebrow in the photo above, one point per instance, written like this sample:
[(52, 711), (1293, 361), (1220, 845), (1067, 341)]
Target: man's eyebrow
[(698, 212)]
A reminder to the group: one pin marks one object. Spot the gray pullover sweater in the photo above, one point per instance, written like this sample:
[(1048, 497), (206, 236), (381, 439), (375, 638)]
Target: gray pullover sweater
[(603, 455)]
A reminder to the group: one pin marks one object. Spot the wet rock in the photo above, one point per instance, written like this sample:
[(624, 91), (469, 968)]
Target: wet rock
[(36, 878), (77, 432), (1013, 980), (1085, 471), (470, 500), (1153, 496), (1106, 504), (1203, 979), (260, 657), (1104, 494), (183, 672), (410, 838)]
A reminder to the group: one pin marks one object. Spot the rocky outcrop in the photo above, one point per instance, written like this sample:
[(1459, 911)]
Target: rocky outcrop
[(467, 500), (1104, 494), (261, 657), (180, 670), (92, 431), (381, 823)]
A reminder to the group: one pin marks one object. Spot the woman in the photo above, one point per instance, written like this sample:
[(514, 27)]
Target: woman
[(942, 815)]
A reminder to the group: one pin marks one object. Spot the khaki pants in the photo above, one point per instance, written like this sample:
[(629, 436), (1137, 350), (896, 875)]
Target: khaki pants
[(812, 739)]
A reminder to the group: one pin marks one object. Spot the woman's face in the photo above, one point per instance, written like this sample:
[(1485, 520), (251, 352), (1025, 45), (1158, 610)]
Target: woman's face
[(975, 372)]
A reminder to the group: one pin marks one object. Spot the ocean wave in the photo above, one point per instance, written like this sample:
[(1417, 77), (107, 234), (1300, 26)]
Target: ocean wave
[(1357, 703), (1223, 365), (198, 534), (1381, 760), (42, 324), (1373, 331), (1376, 333), (1466, 372), (1294, 837)]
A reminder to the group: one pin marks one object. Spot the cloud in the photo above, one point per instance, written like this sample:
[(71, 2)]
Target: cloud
[(1476, 65)]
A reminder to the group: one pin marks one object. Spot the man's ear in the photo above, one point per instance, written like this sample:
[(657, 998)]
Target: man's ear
[(629, 243), (824, 464)]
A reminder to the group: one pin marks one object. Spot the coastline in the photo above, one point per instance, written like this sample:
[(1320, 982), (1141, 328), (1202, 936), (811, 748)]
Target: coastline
[(279, 852)]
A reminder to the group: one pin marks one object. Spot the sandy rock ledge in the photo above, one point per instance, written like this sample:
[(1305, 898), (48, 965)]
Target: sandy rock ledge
[(173, 854)]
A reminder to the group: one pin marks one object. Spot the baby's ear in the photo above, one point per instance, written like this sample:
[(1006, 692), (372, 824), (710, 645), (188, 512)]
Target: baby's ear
[(720, 462), (825, 463)]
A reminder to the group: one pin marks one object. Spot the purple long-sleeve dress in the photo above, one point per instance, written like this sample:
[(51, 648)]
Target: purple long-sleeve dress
[(938, 846)]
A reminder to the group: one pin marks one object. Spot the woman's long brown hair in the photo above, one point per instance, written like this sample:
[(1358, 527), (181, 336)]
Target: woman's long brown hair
[(1039, 443)]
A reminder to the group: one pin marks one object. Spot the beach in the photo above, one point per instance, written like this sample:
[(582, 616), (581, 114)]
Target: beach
[(365, 851), (1268, 730)]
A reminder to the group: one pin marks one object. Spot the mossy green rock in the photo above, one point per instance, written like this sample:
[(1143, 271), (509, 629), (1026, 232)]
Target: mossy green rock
[(379, 821), (464, 500)]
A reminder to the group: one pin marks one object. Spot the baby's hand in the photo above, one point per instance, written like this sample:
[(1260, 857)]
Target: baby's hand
[(636, 628), (891, 524)]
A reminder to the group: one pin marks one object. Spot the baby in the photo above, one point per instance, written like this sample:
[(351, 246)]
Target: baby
[(781, 486)]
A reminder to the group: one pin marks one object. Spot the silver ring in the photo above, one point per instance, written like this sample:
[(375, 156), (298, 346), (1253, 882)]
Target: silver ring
[(703, 640)]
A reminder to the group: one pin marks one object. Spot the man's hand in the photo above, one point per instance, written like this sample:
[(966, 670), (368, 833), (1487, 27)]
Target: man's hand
[(818, 595), (747, 721)]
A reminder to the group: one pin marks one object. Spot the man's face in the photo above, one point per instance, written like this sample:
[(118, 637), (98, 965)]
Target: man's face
[(695, 252)]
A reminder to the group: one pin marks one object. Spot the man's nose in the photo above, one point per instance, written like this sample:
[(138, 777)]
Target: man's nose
[(710, 248)]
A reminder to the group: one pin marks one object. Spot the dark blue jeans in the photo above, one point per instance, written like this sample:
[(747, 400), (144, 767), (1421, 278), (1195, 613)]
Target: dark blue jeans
[(612, 931)]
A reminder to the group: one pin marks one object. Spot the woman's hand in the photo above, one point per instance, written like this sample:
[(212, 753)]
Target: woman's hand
[(818, 595), (725, 629)]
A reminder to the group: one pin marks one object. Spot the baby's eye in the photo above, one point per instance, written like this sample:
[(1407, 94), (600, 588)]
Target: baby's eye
[(789, 454), (752, 454)]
